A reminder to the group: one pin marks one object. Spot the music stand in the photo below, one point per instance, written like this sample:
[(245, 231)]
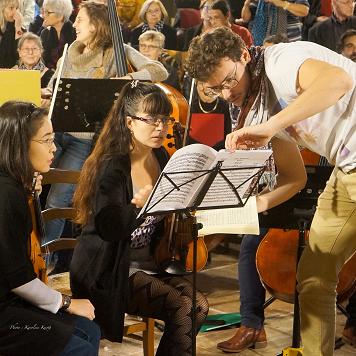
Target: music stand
[(81, 105), (211, 174)]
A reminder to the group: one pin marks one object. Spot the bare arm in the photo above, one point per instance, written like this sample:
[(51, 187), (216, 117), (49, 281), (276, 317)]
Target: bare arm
[(299, 10), (246, 11), (319, 86), (291, 176)]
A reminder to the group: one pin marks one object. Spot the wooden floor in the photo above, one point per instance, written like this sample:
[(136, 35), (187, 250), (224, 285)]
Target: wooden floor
[(220, 284)]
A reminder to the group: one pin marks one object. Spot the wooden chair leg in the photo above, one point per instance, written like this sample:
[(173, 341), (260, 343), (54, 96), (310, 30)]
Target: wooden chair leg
[(149, 337)]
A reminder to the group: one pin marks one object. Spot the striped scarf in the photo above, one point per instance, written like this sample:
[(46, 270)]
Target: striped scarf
[(158, 27)]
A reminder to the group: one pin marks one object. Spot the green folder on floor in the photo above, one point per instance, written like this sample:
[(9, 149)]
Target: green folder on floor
[(219, 321)]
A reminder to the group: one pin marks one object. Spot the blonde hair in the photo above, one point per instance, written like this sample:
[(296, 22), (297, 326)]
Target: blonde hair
[(147, 4), (152, 35), (3, 22)]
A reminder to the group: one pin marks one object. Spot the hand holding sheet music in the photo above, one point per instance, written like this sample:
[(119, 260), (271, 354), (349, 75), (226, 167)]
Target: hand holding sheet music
[(198, 177)]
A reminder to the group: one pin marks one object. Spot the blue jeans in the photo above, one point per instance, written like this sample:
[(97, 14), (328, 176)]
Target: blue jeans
[(71, 154), (252, 292), (85, 339)]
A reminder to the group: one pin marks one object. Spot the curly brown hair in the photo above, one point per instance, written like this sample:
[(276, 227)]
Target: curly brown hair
[(206, 51)]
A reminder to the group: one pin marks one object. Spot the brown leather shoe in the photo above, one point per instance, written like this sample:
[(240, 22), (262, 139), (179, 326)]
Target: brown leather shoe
[(243, 339), (349, 335)]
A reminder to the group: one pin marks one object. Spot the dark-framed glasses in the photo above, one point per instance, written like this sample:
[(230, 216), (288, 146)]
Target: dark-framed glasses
[(229, 82), (48, 141), (155, 121)]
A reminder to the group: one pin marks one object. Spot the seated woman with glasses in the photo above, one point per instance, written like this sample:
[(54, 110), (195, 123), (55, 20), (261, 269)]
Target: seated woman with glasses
[(151, 45), (58, 30), (30, 52), (34, 318), (113, 261), (154, 15)]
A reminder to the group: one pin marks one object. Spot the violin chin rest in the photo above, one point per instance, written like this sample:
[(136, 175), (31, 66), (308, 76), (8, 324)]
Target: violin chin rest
[(174, 267)]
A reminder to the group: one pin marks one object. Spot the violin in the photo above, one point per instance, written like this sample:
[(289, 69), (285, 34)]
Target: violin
[(38, 232), (276, 257)]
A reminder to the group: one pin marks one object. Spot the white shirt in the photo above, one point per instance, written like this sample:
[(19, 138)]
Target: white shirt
[(330, 133)]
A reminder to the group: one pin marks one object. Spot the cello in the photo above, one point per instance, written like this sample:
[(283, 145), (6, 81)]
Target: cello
[(276, 257)]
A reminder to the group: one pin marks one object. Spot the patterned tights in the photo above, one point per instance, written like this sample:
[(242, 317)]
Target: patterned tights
[(168, 298)]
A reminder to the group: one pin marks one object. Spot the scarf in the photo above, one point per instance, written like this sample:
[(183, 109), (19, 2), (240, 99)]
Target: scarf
[(158, 27), (269, 20), (258, 106), (38, 66)]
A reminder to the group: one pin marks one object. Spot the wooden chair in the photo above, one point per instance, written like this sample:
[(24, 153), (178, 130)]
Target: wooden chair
[(54, 176)]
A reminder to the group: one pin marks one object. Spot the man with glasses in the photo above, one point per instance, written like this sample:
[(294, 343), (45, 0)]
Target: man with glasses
[(294, 94), (328, 32)]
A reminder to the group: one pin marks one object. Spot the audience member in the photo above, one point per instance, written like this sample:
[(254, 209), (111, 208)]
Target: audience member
[(151, 45), (315, 16), (272, 17), (328, 32), (58, 30), (27, 9), (220, 15), (197, 30), (154, 17), (347, 45), (11, 29), (30, 52)]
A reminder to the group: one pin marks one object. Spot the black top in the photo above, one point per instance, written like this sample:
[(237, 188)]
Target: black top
[(189, 34), (168, 31), (8, 47), (53, 46), (100, 264), (328, 32), (15, 270)]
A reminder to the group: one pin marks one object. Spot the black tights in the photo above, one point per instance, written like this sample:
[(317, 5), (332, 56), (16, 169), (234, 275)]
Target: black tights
[(168, 298)]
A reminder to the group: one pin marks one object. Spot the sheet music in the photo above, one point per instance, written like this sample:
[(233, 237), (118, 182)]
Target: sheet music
[(231, 220), (190, 158), (181, 169), (220, 192)]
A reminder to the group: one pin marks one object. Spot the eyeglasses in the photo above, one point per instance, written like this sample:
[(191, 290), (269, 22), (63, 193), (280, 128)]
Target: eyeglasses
[(47, 13), (229, 83), (48, 142), (155, 121), (30, 50), (149, 47)]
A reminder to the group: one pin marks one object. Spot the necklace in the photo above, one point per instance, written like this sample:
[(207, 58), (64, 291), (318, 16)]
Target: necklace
[(207, 111)]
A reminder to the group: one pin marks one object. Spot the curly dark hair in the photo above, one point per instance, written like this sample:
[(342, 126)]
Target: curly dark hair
[(206, 51)]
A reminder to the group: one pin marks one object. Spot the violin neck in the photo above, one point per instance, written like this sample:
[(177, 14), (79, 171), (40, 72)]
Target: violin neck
[(117, 39)]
